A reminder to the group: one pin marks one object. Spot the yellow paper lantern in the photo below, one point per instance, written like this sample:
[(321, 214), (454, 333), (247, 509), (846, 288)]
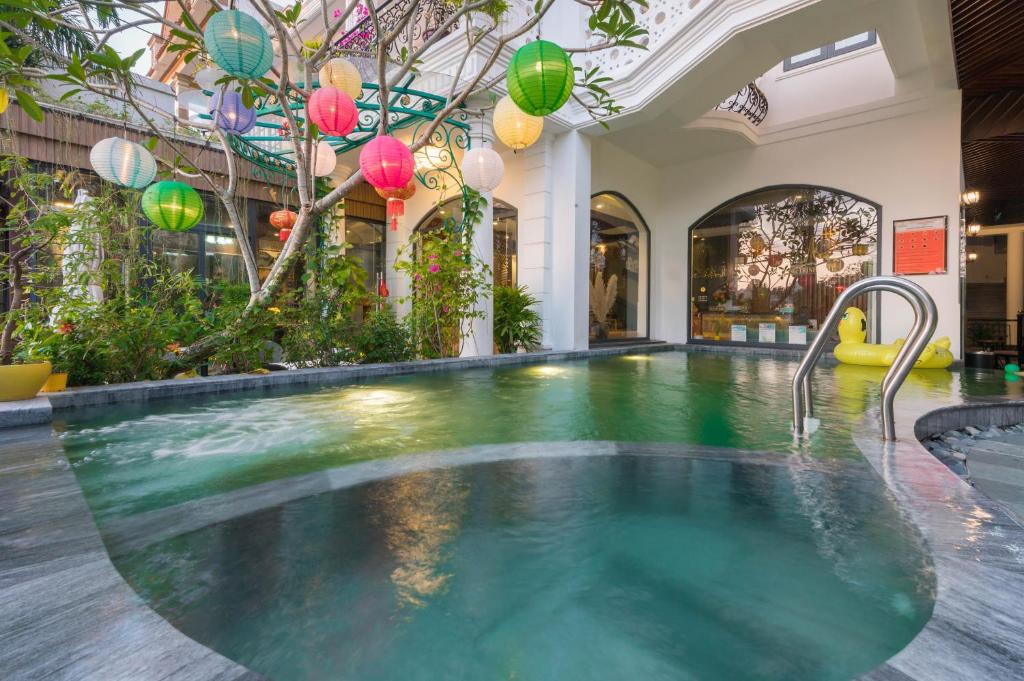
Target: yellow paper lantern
[(342, 74), (514, 127)]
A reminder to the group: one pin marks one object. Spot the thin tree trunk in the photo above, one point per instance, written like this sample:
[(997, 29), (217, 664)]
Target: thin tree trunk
[(17, 299)]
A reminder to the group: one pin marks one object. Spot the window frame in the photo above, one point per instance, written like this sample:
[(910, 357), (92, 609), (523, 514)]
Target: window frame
[(830, 50)]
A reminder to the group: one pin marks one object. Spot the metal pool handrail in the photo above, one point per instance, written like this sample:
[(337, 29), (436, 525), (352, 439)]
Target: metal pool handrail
[(925, 320)]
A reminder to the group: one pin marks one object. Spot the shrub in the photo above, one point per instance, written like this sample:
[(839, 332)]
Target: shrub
[(384, 339), (516, 323)]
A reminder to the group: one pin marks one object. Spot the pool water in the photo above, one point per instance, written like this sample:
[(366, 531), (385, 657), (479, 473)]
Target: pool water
[(789, 563), (130, 459), (591, 568)]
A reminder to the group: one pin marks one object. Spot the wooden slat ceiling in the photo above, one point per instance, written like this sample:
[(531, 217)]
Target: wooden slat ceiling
[(989, 48)]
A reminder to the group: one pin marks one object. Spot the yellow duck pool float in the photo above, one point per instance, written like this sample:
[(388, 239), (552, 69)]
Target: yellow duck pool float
[(853, 350)]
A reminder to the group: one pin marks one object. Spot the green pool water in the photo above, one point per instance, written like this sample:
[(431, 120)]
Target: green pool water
[(630, 567), (130, 459), (591, 569)]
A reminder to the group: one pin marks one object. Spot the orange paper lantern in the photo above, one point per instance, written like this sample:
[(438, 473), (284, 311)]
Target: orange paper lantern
[(283, 219)]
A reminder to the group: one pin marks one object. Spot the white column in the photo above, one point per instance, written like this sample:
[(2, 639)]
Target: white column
[(481, 338), (535, 229), (1014, 273), (570, 241)]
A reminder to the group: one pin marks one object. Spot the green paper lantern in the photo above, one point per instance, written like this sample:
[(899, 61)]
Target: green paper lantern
[(173, 206), (239, 44), (540, 78)]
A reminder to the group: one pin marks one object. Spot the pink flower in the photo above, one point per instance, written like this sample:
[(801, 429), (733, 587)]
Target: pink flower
[(418, 277), (458, 254), (446, 309), (435, 268), (337, 13), (432, 256)]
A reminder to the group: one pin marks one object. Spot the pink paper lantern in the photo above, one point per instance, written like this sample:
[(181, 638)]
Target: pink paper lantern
[(387, 164), (332, 111)]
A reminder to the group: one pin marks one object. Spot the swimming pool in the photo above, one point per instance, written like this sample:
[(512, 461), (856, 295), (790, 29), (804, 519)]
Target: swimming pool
[(763, 559)]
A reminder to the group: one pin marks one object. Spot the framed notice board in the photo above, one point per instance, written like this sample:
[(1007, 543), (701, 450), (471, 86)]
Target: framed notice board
[(919, 245)]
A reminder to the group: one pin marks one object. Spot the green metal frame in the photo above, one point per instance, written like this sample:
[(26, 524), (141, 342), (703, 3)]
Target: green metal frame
[(406, 107)]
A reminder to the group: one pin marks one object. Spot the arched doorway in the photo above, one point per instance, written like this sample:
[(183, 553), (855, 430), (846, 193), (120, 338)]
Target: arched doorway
[(619, 279), (506, 233), (766, 267)]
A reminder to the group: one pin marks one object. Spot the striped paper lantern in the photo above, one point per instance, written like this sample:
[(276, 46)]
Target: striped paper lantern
[(540, 77), (230, 114), (342, 74), (173, 206), (123, 162), (239, 44), (332, 111), (482, 169), (513, 126), (386, 163)]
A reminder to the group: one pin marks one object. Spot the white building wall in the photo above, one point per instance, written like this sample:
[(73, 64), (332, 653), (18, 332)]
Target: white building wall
[(905, 157)]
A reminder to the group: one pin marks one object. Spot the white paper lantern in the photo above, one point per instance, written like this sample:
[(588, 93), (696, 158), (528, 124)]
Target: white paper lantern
[(207, 78), (482, 169), (513, 126), (342, 74), (324, 159), (123, 162)]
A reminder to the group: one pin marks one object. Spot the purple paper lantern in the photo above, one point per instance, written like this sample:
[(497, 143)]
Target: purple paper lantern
[(230, 115)]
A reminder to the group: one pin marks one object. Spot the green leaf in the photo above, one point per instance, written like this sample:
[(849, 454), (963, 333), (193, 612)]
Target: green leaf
[(30, 106)]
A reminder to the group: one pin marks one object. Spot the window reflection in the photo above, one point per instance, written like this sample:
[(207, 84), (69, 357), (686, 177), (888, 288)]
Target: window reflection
[(178, 251), (223, 259), (367, 239), (767, 267), (618, 269)]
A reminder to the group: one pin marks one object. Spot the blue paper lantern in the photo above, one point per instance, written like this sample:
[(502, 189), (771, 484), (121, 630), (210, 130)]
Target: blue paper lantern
[(123, 162), (239, 44), (230, 115)]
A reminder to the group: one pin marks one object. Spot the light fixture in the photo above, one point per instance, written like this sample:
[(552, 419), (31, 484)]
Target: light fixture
[(973, 229), (971, 257), (970, 197)]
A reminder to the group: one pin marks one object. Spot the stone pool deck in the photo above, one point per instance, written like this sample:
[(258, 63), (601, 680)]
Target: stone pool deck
[(65, 612)]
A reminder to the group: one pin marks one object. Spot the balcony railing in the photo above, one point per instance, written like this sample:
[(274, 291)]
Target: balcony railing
[(749, 102), (430, 17)]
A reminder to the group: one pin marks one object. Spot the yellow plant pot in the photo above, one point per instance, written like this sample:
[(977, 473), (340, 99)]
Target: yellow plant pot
[(56, 383), (22, 381)]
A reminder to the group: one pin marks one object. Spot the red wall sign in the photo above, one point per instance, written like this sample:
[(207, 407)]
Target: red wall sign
[(919, 246)]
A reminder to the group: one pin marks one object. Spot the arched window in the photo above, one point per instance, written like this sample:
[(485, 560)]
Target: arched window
[(766, 267), (506, 233), (619, 244)]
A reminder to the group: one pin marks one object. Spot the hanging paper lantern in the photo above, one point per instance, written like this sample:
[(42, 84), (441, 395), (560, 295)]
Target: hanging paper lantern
[(482, 169), (324, 159), (174, 206), (806, 281), (775, 259), (540, 77), (332, 111), (283, 235), (396, 199), (207, 78), (283, 219), (239, 44), (835, 265), (342, 74), (386, 163), (756, 244), (823, 247), (753, 270), (860, 249), (867, 268), (123, 162), (230, 115), (513, 126)]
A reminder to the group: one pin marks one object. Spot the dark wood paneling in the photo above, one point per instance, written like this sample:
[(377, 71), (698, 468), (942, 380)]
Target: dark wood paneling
[(989, 49)]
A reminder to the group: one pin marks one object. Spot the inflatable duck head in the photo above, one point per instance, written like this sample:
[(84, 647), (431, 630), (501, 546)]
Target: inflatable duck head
[(853, 327)]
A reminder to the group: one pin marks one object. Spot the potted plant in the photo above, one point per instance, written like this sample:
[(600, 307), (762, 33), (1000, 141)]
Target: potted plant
[(517, 326)]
